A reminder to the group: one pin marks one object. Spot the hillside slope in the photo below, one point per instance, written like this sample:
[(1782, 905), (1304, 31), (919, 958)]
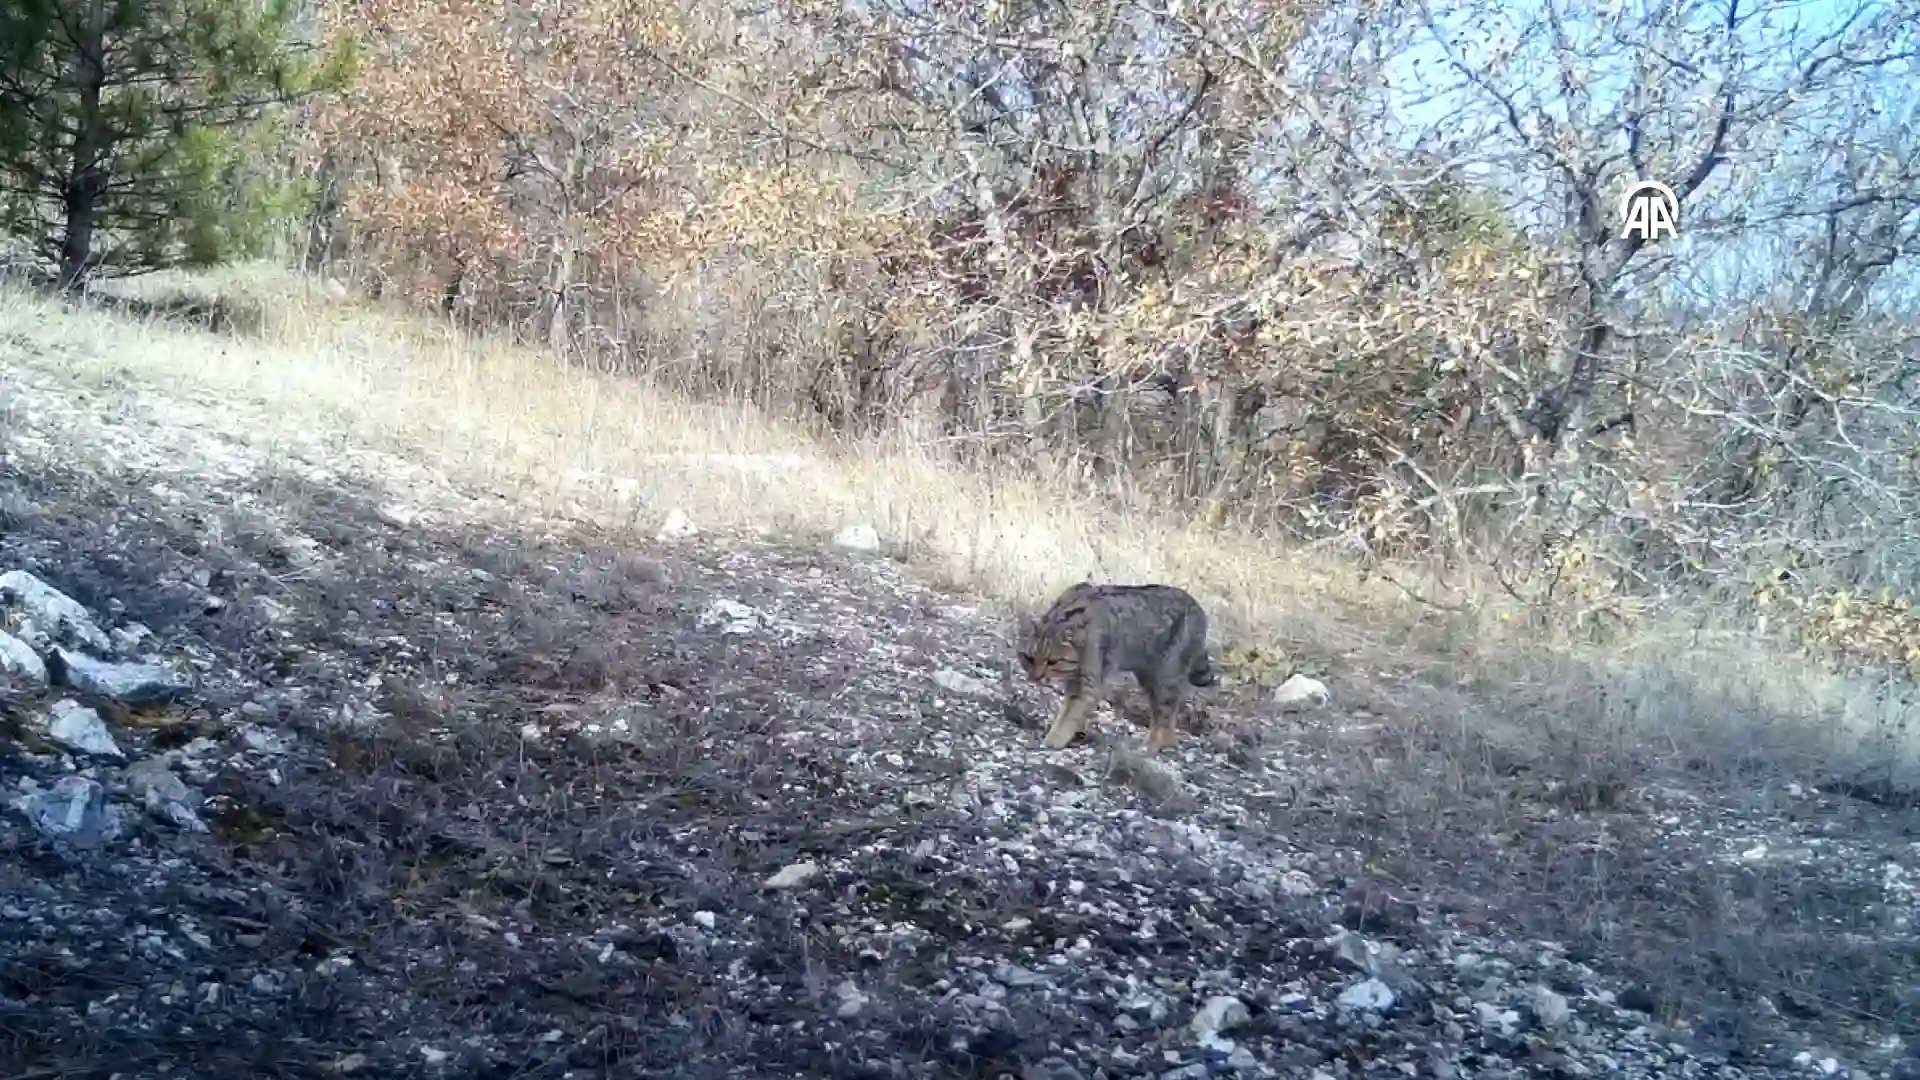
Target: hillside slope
[(491, 791)]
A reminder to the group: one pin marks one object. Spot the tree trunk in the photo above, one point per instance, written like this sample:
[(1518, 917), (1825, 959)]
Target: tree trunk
[(559, 310), (1222, 461), (323, 222), (86, 180)]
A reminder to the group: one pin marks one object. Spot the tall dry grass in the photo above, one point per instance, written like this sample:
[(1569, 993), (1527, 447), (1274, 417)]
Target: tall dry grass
[(1467, 739), (623, 453)]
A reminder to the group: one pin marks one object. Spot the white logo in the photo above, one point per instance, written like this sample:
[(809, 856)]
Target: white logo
[(1649, 209)]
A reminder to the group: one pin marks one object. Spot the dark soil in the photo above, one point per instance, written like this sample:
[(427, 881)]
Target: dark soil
[(492, 804)]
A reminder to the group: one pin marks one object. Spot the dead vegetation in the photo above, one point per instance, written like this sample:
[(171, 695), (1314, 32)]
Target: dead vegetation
[(515, 738), (1604, 547), (537, 733), (1338, 273)]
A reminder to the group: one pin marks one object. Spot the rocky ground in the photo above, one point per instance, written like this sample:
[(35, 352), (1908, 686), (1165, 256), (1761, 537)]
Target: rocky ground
[(316, 765)]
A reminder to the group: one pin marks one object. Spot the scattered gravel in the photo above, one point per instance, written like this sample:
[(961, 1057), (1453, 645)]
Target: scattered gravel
[(380, 782)]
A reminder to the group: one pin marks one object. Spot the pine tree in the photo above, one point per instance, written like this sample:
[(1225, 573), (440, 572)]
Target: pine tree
[(131, 130)]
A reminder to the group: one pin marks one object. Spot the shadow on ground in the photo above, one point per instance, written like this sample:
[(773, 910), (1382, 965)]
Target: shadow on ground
[(491, 804)]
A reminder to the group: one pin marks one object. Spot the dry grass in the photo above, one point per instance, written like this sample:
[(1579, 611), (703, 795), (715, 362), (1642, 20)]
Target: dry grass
[(1469, 754), (612, 450)]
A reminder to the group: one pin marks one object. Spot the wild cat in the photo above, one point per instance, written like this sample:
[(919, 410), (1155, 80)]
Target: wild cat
[(1094, 632)]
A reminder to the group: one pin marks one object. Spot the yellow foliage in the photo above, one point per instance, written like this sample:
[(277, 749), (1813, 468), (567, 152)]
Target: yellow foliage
[(1249, 663), (1841, 626)]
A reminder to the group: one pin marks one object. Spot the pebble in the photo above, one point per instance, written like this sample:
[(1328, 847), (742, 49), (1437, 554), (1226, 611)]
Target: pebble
[(793, 876)]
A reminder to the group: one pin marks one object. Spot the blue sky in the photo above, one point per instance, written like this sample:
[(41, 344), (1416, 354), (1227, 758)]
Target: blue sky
[(1775, 169), (1771, 169)]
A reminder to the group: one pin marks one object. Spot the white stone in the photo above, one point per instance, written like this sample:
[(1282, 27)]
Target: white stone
[(81, 730), (1369, 994), (1550, 1007), (1301, 690), (734, 618), (1221, 1013), (794, 876), (75, 808), (677, 526), (18, 659), (53, 610), (962, 684), (136, 684), (861, 537)]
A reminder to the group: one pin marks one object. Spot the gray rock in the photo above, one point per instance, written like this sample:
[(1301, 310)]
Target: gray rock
[(733, 617), (1370, 995), (1296, 883), (1549, 1007), (1153, 779), (80, 729), (134, 684), (272, 610), (1015, 976), (1351, 950), (74, 809), (166, 797), (1242, 1060), (16, 510), (55, 613), (792, 877), (1051, 1068), (263, 741), (962, 684), (1221, 1013), (18, 659), (1494, 1018), (851, 1000), (1152, 1006)]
